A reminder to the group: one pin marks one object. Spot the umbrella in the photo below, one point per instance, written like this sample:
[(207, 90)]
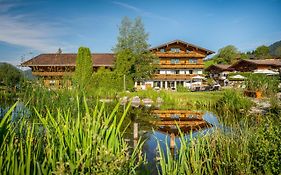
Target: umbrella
[(238, 77), (198, 77), (265, 71)]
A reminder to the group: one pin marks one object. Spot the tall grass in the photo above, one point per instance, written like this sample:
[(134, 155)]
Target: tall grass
[(215, 153), (233, 105), (240, 151), (90, 142)]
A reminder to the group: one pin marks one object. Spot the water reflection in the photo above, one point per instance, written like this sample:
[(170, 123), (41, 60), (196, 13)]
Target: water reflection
[(164, 128), (19, 111), (170, 121)]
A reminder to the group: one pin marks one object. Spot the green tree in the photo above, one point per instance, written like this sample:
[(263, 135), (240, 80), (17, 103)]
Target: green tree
[(132, 56), (262, 52), (226, 55), (84, 67), (125, 38), (244, 56), (140, 37), (10, 76), (106, 81)]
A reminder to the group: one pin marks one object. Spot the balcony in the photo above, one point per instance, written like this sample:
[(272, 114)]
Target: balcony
[(173, 76), (45, 74), (182, 66), (182, 55)]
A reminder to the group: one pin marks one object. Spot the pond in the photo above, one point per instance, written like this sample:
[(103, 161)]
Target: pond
[(19, 110), (162, 126), (153, 127)]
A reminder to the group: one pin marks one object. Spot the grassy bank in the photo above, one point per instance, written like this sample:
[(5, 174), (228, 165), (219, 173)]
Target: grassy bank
[(180, 100)]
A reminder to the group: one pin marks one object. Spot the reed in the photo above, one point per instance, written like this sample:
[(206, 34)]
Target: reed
[(91, 142), (215, 153), (241, 148)]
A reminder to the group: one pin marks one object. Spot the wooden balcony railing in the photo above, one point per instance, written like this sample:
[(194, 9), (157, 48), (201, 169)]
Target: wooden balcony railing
[(180, 123), (52, 73), (179, 66), (180, 113), (173, 76), (173, 54)]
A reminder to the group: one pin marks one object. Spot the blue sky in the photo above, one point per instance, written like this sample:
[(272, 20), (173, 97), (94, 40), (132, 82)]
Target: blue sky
[(31, 27)]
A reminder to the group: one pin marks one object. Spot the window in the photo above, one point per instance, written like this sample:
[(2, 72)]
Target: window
[(190, 71), (52, 82), (162, 50), (193, 60), (175, 61), (187, 51), (176, 50), (177, 71)]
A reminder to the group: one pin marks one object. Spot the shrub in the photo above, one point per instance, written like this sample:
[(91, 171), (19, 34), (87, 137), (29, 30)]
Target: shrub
[(268, 85), (233, 102), (181, 88), (265, 147)]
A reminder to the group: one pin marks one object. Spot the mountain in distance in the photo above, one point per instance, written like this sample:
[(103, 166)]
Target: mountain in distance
[(26, 73), (275, 49)]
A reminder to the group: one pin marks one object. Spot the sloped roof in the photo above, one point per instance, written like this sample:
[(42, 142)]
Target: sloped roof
[(268, 62), (69, 59), (184, 43), (276, 62), (222, 67)]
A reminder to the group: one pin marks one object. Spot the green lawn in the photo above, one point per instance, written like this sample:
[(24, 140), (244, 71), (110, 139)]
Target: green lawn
[(179, 100)]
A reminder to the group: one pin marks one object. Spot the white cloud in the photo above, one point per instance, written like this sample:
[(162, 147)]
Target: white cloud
[(127, 6), (145, 13), (28, 31), (14, 30)]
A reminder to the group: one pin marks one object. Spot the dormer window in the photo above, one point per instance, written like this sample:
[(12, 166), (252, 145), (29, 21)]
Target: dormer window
[(187, 51), (176, 50), (162, 50)]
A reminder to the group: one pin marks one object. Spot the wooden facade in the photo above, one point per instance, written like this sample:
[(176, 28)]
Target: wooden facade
[(253, 65), (57, 69), (179, 62)]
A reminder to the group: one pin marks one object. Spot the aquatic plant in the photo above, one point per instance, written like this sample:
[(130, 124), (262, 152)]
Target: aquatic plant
[(90, 142), (233, 102), (268, 85), (215, 153)]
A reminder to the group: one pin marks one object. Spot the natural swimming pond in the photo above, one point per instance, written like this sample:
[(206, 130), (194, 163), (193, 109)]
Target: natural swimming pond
[(163, 127), (155, 126)]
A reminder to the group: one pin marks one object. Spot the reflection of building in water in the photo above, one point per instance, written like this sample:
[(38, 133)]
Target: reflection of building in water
[(186, 121), (170, 120)]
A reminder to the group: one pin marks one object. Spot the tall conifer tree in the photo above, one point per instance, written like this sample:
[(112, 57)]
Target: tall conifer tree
[(84, 67), (132, 51)]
